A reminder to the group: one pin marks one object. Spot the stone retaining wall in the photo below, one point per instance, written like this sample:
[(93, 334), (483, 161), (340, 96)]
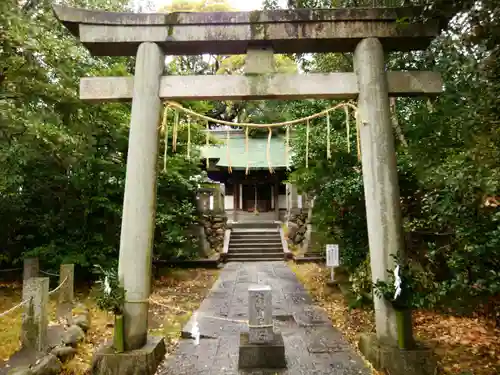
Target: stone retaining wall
[(297, 227), (215, 226)]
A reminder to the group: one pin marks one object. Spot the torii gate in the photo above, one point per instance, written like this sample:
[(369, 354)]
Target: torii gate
[(149, 37)]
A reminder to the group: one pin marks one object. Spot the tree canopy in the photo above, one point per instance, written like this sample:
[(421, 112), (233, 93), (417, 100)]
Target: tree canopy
[(63, 160)]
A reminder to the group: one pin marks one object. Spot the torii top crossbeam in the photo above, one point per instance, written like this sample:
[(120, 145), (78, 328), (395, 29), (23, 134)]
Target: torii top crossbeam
[(285, 31)]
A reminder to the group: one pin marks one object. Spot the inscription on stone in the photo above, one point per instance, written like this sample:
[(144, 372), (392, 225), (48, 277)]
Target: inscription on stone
[(260, 314)]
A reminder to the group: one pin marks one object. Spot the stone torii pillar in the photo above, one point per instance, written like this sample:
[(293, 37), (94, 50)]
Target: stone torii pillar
[(380, 178), (138, 221)]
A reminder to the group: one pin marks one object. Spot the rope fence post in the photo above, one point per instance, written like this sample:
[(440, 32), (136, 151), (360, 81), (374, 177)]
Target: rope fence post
[(35, 316), (66, 292), (31, 268), (67, 279)]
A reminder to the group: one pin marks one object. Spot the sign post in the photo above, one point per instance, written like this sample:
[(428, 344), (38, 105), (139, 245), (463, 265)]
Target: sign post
[(332, 258)]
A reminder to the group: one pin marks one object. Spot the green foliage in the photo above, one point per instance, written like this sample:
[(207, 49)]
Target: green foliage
[(401, 298), (108, 293), (63, 160), (449, 175)]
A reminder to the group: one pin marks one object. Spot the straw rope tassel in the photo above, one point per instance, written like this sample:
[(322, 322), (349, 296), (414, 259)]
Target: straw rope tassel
[(287, 148), (307, 143), (164, 126), (348, 129), (328, 146), (246, 150), (189, 138), (268, 151), (207, 140), (174, 131), (228, 154), (358, 139)]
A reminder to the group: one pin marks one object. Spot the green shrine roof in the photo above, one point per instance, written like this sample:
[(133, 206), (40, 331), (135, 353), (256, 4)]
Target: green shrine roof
[(257, 151)]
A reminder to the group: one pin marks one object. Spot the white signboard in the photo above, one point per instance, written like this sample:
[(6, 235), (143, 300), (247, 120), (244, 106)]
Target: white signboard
[(332, 256)]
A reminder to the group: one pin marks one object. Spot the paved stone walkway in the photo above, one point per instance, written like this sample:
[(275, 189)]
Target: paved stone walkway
[(312, 345)]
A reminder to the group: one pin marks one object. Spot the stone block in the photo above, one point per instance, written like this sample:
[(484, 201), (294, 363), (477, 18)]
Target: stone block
[(392, 360), (48, 365), (73, 335), (82, 321), (260, 314), (25, 370), (66, 275), (143, 361), (64, 353), (259, 61), (267, 355), (35, 315)]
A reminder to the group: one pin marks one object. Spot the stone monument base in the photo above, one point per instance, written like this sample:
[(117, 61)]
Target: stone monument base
[(385, 357), (143, 361), (268, 355)]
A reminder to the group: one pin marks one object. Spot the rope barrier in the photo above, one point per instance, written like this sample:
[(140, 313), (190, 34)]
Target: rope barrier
[(209, 316), (58, 287), (11, 269), (49, 273), (22, 303)]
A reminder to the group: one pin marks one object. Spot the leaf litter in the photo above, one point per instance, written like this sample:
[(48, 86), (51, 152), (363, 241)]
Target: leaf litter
[(463, 345)]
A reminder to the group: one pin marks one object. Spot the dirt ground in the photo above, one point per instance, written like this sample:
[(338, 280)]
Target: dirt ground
[(175, 296)]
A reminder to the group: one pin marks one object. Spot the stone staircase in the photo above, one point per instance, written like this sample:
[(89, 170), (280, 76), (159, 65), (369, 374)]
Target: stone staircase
[(256, 242)]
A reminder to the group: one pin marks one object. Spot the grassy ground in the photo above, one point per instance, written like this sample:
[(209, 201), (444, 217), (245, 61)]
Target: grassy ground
[(465, 346), (176, 295), (10, 325)]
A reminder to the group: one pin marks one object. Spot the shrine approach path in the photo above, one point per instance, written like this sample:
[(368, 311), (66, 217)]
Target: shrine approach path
[(312, 345)]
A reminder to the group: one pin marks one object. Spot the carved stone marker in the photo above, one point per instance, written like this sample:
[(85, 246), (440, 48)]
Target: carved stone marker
[(261, 347), (260, 314)]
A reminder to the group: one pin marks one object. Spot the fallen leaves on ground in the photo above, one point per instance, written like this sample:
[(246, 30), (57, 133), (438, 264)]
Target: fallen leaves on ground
[(10, 324), (176, 296), (463, 345), (350, 323)]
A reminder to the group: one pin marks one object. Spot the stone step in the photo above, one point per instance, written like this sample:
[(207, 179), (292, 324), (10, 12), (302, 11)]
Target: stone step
[(255, 250), (254, 244), (254, 259), (277, 254), (265, 224), (253, 235), (260, 239)]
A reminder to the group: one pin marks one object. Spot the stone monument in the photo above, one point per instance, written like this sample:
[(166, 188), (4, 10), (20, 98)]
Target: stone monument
[(261, 347)]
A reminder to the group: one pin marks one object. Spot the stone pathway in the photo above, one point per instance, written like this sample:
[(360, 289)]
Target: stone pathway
[(312, 345)]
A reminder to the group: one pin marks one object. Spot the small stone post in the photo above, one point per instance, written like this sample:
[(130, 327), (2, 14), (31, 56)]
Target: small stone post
[(260, 314), (31, 268), (261, 347), (139, 203), (35, 316), (380, 178), (66, 292)]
